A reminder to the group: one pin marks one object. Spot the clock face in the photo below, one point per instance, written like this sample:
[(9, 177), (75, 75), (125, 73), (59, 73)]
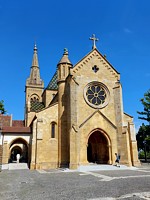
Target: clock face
[(96, 94)]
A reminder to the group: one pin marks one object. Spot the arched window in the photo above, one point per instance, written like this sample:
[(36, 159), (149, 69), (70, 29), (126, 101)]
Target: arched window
[(53, 129), (34, 98)]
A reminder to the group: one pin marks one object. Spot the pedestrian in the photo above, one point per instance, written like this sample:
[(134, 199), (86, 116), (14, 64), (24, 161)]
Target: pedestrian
[(117, 160), (18, 157)]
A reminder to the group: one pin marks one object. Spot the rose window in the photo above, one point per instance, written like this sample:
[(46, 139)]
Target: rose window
[(96, 94)]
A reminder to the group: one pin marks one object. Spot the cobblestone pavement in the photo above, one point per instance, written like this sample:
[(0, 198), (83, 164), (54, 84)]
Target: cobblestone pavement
[(61, 184)]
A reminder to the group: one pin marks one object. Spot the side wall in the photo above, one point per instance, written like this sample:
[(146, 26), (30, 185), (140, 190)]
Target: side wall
[(44, 153)]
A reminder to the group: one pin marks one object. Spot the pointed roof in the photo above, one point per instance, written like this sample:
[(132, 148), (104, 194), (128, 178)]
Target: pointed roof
[(53, 83), (65, 58), (35, 57), (34, 78)]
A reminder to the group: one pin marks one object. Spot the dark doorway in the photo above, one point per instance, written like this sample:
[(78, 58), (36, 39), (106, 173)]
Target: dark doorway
[(97, 150), (14, 151), (19, 146)]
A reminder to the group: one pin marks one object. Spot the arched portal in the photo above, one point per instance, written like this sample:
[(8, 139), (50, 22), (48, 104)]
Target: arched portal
[(18, 146), (98, 148)]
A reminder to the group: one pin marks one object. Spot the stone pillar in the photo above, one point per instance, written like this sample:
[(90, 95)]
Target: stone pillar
[(34, 146), (5, 153), (73, 150), (133, 145), (74, 134), (63, 156), (123, 145), (110, 155)]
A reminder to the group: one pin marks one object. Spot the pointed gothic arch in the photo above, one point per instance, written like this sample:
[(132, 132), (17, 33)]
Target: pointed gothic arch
[(98, 145)]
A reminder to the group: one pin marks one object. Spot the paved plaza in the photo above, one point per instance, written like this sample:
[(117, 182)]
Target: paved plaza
[(96, 182)]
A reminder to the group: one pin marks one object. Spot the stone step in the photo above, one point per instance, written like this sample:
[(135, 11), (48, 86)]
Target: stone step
[(14, 166)]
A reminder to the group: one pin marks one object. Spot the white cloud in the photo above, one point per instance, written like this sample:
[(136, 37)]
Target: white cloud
[(127, 30)]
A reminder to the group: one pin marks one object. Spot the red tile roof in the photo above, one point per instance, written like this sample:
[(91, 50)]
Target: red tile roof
[(8, 129), (7, 125), (5, 120), (18, 123)]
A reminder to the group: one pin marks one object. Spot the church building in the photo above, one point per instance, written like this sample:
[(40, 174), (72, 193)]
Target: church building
[(78, 118)]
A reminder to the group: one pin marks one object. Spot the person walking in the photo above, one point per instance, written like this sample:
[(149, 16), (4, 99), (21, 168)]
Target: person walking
[(117, 160), (18, 157)]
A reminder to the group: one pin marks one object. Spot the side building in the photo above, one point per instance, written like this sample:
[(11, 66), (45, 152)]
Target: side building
[(15, 139)]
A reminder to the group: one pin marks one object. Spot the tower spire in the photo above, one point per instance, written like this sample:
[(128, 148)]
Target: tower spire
[(35, 57), (34, 78), (34, 86), (65, 58)]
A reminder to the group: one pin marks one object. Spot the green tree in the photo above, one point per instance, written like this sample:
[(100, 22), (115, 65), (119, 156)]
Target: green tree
[(143, 139), (143, 136), (2, 109), (145, 115)]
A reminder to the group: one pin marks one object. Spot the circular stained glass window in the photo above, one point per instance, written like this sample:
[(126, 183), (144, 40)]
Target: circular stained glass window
[(96, 94)]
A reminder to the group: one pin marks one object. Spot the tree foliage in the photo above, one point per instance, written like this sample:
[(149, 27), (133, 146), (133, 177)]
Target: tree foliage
[(145, 115), (2, 109), (143, 138)]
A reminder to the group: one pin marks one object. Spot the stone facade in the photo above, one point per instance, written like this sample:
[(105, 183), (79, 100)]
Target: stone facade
[(78, 118)]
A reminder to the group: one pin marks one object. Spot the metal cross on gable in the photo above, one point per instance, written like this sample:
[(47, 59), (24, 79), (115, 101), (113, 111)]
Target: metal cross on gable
[(95, 68), (94, 40)]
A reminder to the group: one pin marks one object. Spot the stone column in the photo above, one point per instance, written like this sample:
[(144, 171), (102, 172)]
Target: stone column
[(74, 133), (123, 145), (33, 146), (133, 144), (5, 153)]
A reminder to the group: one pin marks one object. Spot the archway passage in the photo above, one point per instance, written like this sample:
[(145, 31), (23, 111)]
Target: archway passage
[(97, 150), (14, 151), (19, 146)]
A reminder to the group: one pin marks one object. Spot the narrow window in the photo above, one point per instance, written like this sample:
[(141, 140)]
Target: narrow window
[(53, 130), (64, 71), (59, 73)]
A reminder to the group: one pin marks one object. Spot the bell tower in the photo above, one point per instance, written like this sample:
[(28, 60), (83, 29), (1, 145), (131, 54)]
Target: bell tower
[(64, 66), (34, 85)]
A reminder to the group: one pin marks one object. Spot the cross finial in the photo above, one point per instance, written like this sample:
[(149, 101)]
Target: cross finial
[(35, 47), (94, 40)]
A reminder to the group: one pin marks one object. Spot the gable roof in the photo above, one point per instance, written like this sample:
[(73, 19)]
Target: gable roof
[(87, 57)]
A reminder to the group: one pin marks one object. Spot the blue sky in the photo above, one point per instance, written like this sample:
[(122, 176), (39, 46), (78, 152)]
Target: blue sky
[(123, 29)]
